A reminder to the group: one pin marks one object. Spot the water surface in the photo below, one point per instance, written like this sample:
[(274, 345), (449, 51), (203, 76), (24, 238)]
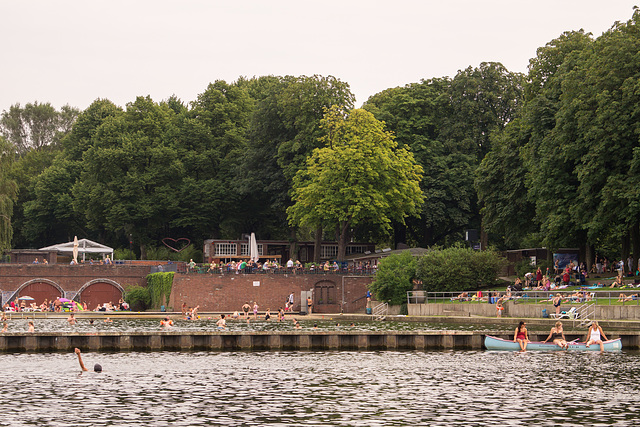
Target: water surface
[(322, 389)]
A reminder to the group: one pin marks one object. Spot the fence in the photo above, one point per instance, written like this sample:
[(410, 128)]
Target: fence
[(183, 268), (621, 297)]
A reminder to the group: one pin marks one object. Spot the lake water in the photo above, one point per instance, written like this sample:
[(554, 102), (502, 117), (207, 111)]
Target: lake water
[(471, 388), (205, 324)]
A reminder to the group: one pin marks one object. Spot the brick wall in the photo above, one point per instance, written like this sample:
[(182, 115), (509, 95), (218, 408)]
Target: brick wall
[(70, 277), (229, 292)]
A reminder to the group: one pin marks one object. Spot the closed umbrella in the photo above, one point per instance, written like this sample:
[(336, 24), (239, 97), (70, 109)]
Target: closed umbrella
[(75, 249), (253, 248)]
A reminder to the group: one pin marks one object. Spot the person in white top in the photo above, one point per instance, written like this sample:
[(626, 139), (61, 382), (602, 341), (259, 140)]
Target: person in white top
[(595, 335)]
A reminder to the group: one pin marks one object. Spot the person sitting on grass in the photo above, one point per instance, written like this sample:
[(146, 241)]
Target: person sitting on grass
[(625, 298), (617, 283), (462, 297)]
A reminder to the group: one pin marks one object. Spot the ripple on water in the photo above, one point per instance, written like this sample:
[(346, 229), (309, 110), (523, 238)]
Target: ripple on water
[(321, 388), (206, 324)]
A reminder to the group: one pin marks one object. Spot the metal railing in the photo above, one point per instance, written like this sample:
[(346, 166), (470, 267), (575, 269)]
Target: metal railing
[(380, 311), (621, 297)]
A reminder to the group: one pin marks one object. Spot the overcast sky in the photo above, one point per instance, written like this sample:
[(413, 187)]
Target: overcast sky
[(73, 52)]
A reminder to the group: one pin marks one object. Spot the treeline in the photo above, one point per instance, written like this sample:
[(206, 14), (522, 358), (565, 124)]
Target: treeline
[(549, 158)]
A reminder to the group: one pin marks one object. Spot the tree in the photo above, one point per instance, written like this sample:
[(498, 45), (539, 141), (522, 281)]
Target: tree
[(361, 176), (49, 215), (8, 194), (36, 125), (501, 186), (394, 278), (210, 141), (285, 128), (131, 174)]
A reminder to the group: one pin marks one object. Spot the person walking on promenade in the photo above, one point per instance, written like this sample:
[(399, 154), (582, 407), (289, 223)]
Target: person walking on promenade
[(309, 305), (255, 310)]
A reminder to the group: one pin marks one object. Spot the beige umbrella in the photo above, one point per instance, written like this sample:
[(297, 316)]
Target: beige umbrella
[(75, 249)]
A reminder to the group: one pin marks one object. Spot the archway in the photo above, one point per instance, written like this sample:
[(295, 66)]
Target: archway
[(40, 289), (98, 291)]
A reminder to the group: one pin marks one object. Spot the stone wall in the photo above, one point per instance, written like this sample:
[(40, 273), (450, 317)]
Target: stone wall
[(229, 292)]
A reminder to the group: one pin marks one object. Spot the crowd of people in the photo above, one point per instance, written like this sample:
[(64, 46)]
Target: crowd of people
[(274, 266), (58, 304), (595, 335)]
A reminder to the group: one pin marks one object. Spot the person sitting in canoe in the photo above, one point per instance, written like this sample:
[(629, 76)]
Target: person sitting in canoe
[(557, 336), (521, 336), (595, 335)]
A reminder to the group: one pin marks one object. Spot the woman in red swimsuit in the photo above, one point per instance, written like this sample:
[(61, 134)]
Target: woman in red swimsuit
[(521, 336)]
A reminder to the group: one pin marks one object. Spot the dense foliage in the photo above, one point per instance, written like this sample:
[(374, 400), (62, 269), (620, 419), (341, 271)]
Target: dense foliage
[(138, 298), (394, 278), (457, 269), (159, 285), (548, 158)]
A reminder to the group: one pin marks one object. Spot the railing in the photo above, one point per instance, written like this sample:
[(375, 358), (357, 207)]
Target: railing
[(621, 297), (585, 313), (183, 268), (380, 311)]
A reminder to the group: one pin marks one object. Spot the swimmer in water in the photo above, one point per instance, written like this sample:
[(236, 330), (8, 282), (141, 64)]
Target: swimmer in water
[(71, 319), (5, 327), (166, 323), (32, 328), (96, 367), (108, 320)]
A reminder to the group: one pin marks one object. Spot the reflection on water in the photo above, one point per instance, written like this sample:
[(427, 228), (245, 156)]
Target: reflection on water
[(209, 324), (321, 389)]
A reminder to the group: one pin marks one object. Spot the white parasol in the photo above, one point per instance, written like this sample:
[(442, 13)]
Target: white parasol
[(253, 248), (75, 249)]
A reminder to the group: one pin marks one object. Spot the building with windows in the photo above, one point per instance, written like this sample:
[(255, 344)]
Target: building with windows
[(216, 249)]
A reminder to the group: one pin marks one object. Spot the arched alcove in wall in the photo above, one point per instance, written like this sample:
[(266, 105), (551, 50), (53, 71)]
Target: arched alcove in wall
[(99, 291), (39, 289)]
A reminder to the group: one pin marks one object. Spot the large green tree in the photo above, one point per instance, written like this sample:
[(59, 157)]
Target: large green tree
[(36, 125), (360, 176), (8, 194), (131, 174)]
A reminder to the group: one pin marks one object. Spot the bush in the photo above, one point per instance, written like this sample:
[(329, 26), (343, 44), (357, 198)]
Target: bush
[(139, 298), (457, 269), (124, 254), (394, 278)]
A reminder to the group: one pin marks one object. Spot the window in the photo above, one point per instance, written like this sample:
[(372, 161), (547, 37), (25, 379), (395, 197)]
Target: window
[(226, 249), (356, 249), (329, 251), (244, 249)]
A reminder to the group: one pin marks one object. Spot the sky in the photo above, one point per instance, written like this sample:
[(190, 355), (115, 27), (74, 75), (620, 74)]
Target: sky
[(76, 51)]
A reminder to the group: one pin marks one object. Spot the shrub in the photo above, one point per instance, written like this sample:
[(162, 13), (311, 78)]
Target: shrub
[(124, 254), (138, 297), (394, 278), (457, 269)]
